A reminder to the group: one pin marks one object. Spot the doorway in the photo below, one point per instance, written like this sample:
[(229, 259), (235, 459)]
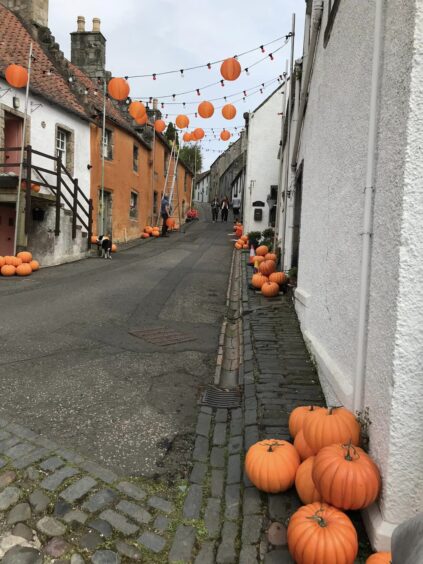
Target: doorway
[(108, 220), (297, 219), (7, 228), (12, 138)]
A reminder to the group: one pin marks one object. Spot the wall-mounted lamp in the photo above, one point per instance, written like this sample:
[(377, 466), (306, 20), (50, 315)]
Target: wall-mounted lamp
[(89, 167), (16, 103)]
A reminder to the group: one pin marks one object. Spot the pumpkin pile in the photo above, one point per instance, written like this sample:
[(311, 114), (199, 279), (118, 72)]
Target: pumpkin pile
[(267, 280), (20, 265), (242, 243), (151, 232), (238, 229), (331, 473)]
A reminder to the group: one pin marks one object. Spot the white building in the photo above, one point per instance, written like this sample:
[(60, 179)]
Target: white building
[(262, 170), (354, 229), (201, 188)]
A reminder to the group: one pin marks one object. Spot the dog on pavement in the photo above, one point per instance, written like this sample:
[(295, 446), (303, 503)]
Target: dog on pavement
[(105, 244)]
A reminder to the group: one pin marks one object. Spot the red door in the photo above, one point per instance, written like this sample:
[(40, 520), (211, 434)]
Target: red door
[(7, 229), (12, 138)]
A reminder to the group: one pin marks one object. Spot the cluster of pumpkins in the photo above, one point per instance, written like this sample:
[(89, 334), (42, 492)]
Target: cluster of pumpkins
[(20, 265), (242, 243), (239, 230), (155, 231), (331, 473), (267, 279)]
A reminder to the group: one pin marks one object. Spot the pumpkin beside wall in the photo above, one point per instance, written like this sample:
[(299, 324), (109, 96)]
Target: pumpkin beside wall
[(324, 427), (304, 484), (271, 465)]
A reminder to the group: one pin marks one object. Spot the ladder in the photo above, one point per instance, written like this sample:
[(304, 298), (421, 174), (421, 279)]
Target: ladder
[(170, 182)]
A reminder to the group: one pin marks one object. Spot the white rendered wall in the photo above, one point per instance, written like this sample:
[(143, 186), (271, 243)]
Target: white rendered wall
[(262, 162), (201, 191)]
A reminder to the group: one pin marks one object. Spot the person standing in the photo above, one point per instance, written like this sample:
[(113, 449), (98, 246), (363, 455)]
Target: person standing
[(164, 212), (215, 205), (225, 209), (236, 206)]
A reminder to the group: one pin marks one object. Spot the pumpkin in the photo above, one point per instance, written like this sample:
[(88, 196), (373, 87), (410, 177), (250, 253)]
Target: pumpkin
[(170, 222), (304, 484), (271, 465), (230, 69), (225, 135), (324, 427), (296, 418), (245, 238), (182, 121), (278, 277), (321, 534), (145, 235), (271, 256), (187, 137), (2, 262), (25, 256), (262, 251), (148, 229), (238, 246), (9, 260), (114, 248), (8, 270), (258, 259), (137, 110), (156, 233), (35, 265), (205, 110), (118, 88), (346, 476), (380, 558), (258, 280), (35, 187), (159, 125), (16, 76), (24, 269), (198, 134), (245, 246), (267, 268), (270, 289), (94, 239), (304, 450), (229, 111)]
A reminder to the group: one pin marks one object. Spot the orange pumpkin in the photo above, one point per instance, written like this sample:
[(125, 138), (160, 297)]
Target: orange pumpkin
[(321, 534), (304, 450), (324, 427), (17, 261), (156, 234), (229, 111), (380, 558), (225, 135), (258, 259), (245, 238), (245, 246), (230, 69), (304, 484), (35, 187), (262, 251), (25, 256), (271, 465), (271, 256), (142, 120), (148, 229), (9, 260), (346, 476), (2, 262), (114, 248), (258, 280), (278, 277), (159, 125), (35, 265), (205, 110), (182, 121), (267, 268), (238, 246), (270, 289), (16, 76), (296, 418), (118, 88), (24, 269), (198, 134), (8, 270), (94, 239), (137, 110), (187, 137), (145, 235)]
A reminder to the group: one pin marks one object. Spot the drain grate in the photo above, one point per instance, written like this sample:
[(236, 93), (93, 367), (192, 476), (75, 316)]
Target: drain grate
[(218, 397), (162, 336)]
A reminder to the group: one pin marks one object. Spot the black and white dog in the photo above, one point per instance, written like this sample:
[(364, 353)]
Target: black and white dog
[(104, 243)]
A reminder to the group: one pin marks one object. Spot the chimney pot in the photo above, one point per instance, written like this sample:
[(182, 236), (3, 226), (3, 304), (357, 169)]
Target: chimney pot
[(81, 24), (96, 25), (155, 104)]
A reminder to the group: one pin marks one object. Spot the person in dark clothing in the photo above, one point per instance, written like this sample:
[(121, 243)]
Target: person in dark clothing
[(215, 205), (164, 212), (224, 209)]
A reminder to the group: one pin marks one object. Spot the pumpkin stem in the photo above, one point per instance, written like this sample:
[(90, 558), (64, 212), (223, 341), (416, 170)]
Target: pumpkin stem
[(350, 447), (270, 449), (319, 520)]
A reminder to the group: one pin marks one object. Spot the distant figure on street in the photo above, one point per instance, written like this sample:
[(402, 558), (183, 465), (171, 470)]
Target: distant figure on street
[(236, 205), (215, 205), (164, 212), (104, 243), (224, 209)]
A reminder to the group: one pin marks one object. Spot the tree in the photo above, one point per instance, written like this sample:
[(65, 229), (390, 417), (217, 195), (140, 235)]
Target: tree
[(192, 157), (171, 134)]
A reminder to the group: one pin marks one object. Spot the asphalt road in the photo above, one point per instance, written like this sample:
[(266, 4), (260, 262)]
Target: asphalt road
[(71, 370)]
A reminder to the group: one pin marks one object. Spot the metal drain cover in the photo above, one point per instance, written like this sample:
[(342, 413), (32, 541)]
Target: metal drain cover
[(162, 336), (218, 397)]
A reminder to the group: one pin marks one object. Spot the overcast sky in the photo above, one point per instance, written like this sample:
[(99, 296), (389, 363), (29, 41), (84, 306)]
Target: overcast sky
[(162, 35)]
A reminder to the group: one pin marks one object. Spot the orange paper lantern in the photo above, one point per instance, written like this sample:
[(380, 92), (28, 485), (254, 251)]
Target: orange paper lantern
[(136, 110), (229, 111), (16, 76), (198, 133), (182, 121), (230, 69), (159, 125), (142, 120), (187, 137), (225, 135), (118, 88), (206, 110)]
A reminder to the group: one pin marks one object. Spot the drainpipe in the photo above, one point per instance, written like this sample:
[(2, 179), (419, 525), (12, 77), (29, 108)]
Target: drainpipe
[(363, 311), (316, 19)]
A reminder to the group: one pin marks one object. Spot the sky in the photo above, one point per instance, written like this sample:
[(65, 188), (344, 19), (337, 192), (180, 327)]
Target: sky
[(163, 35)]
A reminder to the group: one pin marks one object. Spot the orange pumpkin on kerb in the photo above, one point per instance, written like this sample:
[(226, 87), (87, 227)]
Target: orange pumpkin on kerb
[(380, 558), (271, 256), (296, 418), (270, 289), (114, 248), (271, 465), (321, 534), (205, 109), (258, 280), (8, 270), (118, 88), (304, 450), (2, 262), (24, 269), (262, 251), (304, 484), (156, 234), (35, 265), (25, 256), (327, 426), (145, 236), (267, 267), (230, 69), (346, 476), (16, 76)]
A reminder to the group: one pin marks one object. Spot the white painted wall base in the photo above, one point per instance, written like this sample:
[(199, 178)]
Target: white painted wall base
[(378, 530)]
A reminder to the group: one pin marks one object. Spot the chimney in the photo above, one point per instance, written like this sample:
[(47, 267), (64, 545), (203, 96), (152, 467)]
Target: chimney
[(88, 48), (33, 11)]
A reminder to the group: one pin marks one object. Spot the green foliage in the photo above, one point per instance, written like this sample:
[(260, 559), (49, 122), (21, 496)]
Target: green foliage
[(268, 233), (254, 238), (191, 155), (293, 272)]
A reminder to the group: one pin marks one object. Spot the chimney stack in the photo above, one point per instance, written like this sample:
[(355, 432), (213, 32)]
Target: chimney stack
[(96, 25), (33, 11), (81, 24), (88, 48)]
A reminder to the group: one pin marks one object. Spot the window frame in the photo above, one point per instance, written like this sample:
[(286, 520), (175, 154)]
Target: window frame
[(133, 209), (135, 158), (69, 157), (155, 201), (108, 146)]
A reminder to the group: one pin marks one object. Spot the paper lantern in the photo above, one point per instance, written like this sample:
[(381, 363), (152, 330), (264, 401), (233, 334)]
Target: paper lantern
[(16, 76), (229, 111), (198, 133), (142, 120), (206, 110), (182, 121), (118, 88), (225, 135), (187, 137), (159, 125), (230, 69), (136, 110)]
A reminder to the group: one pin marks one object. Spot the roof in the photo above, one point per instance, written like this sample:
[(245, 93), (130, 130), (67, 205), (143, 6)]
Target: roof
[(268, 98), (200, 176)]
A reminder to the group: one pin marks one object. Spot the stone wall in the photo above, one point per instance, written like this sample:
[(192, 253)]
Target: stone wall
[(30, 10)]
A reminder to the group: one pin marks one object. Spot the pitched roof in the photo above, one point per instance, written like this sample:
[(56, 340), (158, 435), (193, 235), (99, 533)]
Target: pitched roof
[(268, 98)]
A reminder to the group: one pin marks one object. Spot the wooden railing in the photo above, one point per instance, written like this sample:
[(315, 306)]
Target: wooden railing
[(65, 189)]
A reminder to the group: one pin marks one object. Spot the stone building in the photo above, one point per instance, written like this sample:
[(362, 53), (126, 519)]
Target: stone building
[(202, 187), (226, 168)]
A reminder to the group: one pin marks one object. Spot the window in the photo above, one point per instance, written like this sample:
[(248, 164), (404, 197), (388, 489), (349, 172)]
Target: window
[(155, 201), (333, 6), (133, 205), (64, 146), (185, 181), (135, 158), (183, 208), (61, 144), (108, 144)]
